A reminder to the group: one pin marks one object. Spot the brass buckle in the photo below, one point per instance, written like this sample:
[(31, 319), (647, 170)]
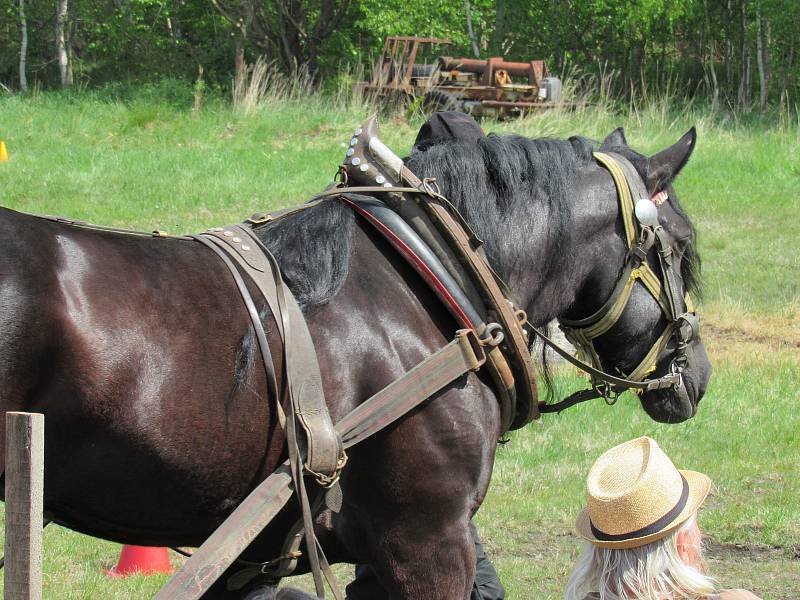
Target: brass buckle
[(328, 481), (259, 218)]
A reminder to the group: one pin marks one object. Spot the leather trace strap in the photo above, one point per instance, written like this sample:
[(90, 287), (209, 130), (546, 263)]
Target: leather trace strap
[(642, 233), (319, 451)]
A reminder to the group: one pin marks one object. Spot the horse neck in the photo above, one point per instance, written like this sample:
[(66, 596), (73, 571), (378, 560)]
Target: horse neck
[(549, 272)]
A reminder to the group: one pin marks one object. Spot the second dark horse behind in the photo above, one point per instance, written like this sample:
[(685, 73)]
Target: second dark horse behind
[(141, 356)]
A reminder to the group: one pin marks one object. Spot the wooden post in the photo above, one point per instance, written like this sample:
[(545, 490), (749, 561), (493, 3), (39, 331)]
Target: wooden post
[(24, 505)]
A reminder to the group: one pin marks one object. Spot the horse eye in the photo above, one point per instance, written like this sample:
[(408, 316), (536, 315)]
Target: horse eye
[(682, 243)]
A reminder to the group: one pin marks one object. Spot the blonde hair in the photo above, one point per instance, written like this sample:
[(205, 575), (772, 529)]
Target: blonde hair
[(654, 571)]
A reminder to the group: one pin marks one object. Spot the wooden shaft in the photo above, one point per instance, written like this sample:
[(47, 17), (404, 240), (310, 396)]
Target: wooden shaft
[(24, 505)]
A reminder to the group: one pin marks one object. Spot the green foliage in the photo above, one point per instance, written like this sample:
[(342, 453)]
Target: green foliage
[(704, 48)]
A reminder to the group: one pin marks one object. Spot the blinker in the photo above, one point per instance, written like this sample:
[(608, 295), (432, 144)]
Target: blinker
[(646, 212)]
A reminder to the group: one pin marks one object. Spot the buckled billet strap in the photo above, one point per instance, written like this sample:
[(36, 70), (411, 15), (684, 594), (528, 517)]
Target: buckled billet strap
[(323, 450), (458, 358)]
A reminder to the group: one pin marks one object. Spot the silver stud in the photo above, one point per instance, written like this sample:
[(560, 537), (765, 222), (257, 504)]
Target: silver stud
[(387, 184), (236, 240), (358, 131), (380, 179), (356, 161), (227, 233), (364, 167), (245, 247), (353, 141), (350, 151)]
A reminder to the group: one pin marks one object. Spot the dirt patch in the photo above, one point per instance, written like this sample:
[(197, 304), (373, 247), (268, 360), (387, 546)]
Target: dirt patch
[(727, 333), (762, 552), (770, 572)]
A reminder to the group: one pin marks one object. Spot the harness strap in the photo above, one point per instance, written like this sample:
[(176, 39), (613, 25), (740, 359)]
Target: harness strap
[(323, 452), (438, 222), (461, 356), (649, 385)]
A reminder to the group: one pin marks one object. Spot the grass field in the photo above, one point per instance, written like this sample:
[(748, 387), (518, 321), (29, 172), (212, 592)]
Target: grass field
[(157, 165)]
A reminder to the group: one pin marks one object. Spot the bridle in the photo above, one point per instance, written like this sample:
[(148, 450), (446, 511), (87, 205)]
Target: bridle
[(642, 233)]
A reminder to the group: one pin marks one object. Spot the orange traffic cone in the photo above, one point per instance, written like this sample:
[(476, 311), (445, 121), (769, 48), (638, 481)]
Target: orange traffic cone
[(3, 151), (142, 560)]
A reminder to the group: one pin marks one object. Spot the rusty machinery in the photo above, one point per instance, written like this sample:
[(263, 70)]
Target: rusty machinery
[(492, 87)]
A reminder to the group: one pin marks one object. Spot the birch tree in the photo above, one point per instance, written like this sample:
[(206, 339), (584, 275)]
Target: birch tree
[(64, 67), (23, 48), (761, 55), (470, 31)]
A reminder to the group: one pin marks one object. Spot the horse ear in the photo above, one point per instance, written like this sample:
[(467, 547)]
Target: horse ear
[(663, 168), (615, 138)]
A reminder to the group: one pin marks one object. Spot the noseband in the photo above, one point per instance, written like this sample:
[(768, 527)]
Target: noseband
[(642, 233)]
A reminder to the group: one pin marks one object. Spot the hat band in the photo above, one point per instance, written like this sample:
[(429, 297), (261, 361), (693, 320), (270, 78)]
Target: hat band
[(654, 527)]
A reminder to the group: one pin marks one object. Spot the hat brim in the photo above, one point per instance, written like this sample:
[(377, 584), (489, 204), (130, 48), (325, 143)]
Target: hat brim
[(699, 486)]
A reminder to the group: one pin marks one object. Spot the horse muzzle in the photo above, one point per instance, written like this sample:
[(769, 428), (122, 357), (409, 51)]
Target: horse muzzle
[(680, 402)]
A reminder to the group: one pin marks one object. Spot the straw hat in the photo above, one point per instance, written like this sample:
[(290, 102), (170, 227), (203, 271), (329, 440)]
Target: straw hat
[(635, 495)]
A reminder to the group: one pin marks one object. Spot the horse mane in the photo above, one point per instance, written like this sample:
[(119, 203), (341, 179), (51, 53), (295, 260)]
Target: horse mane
[(499, 184), (313, 249), (504, 184)]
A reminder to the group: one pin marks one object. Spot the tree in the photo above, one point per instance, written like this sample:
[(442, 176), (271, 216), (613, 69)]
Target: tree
[(293, 31), (23, 47), (64, 66), (470, 32)]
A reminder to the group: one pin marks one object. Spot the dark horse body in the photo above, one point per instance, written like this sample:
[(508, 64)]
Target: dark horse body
[(140, 354)]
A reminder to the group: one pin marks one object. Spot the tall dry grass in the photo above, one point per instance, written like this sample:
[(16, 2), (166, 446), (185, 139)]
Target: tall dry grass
[(263, 84)]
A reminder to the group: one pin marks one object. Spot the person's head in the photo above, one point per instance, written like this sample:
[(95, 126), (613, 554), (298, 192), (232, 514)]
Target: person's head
[(640, 524), (446, 126)]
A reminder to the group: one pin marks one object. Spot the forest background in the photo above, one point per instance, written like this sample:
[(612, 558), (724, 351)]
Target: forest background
[(740, 55)]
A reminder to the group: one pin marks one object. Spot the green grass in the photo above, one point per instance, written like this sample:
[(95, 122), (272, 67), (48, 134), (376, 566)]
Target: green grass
[(150, 165)]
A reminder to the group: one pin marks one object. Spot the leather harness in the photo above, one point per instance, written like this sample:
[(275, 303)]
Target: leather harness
[(434, 224)]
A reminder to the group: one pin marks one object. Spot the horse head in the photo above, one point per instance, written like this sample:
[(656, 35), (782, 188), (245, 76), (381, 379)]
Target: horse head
[(655, 332), (554, 230)]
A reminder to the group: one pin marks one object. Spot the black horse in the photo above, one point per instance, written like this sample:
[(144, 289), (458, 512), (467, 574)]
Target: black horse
[(140, 354)]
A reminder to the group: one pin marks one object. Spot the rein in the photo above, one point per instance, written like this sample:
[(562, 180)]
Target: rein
[(642, 233)]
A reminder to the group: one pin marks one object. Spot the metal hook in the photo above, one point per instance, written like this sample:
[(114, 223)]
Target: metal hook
[(493, 335)]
